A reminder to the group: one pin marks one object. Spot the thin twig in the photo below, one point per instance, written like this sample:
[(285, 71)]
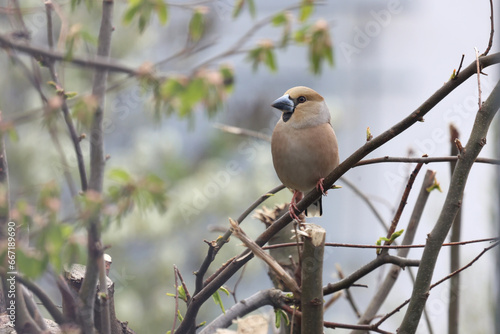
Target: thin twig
[(459, 66), (492, 31), (361, 246), (214, 249), (449, 209), (348, 294), (176, 299), (402, 203), (424, 160), (98, 62), (454, 292), (478, 66), (397, 309), (367, 200), (330, 324)]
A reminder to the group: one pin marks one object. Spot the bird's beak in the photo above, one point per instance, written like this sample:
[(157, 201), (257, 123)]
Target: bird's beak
[(284, 103)]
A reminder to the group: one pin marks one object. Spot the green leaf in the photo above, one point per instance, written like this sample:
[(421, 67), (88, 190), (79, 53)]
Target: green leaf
[(278, 314), (119, 175), (162, 11), (306, 9), (196, 25), (131, 12), (251, 8), (270, 60), (70, 95), (179, 315), (30, 264), (279, 19), (218, 301), (238, 6)]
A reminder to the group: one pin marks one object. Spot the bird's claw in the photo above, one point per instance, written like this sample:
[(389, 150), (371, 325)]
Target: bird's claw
[(319, 186), (292, 209)]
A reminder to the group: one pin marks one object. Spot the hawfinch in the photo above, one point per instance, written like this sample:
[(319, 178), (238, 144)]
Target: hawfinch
[(303, 145)]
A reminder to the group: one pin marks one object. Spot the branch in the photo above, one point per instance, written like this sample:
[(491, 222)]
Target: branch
[(95, 261), (397, 309), (334, 325), (273, 297), (215, 246), (361, 246), (402, 203), (44, 298), (99, 62), (452, 203), (365, 198), (454, 294), (380, 260), (311, 301), (424, 160), (189, 323), (289, 282), (391, 277), (492, 31)]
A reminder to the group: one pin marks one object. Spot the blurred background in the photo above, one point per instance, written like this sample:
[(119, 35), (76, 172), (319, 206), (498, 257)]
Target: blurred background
[(389, 57)]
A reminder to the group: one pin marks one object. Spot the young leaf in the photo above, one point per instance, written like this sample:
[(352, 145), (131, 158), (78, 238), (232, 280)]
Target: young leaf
[(306, 9), (196, 25), (218, 301)]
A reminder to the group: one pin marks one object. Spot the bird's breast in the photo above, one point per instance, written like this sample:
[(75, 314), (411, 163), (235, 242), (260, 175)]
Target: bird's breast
[(303, 156)]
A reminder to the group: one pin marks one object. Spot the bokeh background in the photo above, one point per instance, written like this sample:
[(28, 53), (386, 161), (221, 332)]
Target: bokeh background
[(390, 56)]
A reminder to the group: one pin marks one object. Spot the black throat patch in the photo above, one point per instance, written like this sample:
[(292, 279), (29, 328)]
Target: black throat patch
[(286, 116)]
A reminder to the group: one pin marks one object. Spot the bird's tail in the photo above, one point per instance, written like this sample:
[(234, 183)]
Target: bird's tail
[(315, 209)]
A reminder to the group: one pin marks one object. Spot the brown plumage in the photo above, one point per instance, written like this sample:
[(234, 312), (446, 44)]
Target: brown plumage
[(303, 145)]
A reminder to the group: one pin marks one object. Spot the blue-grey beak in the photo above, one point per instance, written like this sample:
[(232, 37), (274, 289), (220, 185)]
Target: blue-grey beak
[(285, 104)]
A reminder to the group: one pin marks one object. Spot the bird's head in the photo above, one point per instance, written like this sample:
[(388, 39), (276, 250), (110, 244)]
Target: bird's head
[(302, 107)]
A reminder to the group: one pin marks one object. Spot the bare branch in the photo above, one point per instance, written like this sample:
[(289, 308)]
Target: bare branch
[(380, 260), (402, 203), (261, 254), (98, 62), (273, 297), (95, 261), (454, 294), (424, 160), (449, 210), (391, 277), (492, 31), (361, 246), (216, 246), (189, 323)]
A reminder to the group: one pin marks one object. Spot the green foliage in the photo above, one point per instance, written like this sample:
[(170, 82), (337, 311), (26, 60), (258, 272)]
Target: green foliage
[(77, 34), (278, 314), (32, 265), (283, 19), (263, 53), (206, 88), (435, 186), (142, 10), (84, 109), (197, 23), (390, 240), (180, 292), (306, 9), (217, 299), (317, 38), (127, 192), (238, 6)]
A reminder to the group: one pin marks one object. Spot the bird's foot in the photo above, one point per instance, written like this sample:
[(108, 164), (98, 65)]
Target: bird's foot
[(297, 196), (292, 209), (319, 186)]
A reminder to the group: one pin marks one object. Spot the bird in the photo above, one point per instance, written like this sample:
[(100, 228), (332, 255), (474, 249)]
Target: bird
[(303, 145)]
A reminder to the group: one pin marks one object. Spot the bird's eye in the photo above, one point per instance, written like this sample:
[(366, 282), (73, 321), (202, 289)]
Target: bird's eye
[(301, 99)]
